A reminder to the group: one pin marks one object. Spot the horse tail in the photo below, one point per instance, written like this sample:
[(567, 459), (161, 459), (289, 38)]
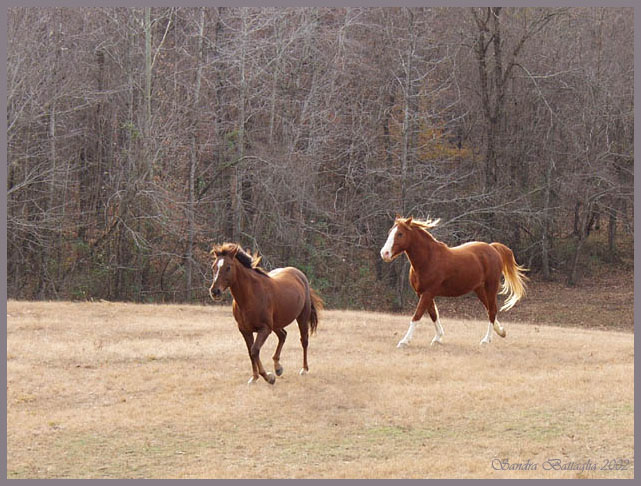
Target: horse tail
[(514, 277), (317, 306)]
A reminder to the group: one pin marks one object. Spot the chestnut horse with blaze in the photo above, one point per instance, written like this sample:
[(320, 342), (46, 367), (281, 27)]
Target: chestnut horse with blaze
[(264, 302), (437, 270)]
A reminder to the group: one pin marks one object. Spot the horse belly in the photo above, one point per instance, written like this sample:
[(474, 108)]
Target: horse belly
[(457, 288), (289, 296), (463, 278)]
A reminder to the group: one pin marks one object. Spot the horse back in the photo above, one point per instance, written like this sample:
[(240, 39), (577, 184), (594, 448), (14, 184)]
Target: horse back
[(289, 276), (477, 256)]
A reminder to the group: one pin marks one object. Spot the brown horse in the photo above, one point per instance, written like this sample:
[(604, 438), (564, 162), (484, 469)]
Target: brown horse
[(437, 270), (264, 302)]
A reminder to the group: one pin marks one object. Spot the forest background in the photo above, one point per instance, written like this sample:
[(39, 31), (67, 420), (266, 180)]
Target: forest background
[(139, 137)]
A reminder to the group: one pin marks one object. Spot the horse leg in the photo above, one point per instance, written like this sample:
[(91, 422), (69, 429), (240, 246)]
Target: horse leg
[(482, 295), (491, 292), (249, 341), (487, 339), (282, 335), (424, 303), (433, 312), (487, 295), (303, 326), (261, 337)]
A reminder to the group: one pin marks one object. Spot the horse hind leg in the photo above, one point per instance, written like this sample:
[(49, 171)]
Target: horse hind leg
[(492, 309), (488, 298), (303, 326)]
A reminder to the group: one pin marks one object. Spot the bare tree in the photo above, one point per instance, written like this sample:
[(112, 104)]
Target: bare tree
[(138, 136)]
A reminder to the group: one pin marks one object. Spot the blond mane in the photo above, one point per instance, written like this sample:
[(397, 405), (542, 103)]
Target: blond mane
[(246, 258), (425, 224), (418, 223)]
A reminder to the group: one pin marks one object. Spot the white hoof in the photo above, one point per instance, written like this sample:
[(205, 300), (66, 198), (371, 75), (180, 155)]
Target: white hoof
[(485, 341), (252, 380), (436, 340), (402, 344), (302, 371)]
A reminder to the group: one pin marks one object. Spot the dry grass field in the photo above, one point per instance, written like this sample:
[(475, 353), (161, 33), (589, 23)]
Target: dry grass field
[(106, 390)]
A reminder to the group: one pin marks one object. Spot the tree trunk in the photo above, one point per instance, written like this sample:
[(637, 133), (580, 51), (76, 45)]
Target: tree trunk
[(147, 96), (581, 237), (191, 196), (545, 236), (409, 112), (236, 183), (612, 231), (573, 277)]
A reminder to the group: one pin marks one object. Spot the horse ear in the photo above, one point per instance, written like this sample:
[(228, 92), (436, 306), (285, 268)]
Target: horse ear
[(408, 221), (214, 251)]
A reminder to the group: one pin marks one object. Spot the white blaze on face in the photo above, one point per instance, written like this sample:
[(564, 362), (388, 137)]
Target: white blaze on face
[(386, 251), (218, 267)]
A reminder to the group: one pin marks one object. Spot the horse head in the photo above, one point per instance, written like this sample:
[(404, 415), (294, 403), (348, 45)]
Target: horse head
[(397, 239), (223, 269), (400, 236)]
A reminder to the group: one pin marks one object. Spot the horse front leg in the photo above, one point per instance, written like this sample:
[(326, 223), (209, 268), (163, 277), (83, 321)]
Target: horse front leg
[(282, 335), (433, 312), (425, 303), (261, 337), (249, 341)]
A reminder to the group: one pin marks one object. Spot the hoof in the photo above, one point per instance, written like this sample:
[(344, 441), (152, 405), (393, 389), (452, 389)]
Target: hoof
[(303, 371), (271, 379), (484, 341), (436, 340), (279, 370), (252, 380), (402, 344)]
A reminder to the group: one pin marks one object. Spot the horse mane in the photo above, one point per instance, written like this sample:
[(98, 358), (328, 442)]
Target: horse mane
[(425, 224), (422, 225), (246, 259)]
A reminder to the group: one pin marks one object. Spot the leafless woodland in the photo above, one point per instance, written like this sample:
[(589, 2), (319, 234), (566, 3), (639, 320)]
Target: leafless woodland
[(139, 137)]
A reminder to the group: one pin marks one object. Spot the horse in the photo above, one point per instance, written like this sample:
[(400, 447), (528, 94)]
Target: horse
[(264, 302), (438, 270)]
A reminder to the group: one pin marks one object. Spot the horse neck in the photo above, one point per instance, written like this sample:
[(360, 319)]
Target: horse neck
[(242, 288), (422, 247)]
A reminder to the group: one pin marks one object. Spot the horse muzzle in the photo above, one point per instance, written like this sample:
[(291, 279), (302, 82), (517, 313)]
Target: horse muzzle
[(215, 294), (387, 256)]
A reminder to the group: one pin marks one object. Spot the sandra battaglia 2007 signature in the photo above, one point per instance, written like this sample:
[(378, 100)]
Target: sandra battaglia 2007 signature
[(562, 465)]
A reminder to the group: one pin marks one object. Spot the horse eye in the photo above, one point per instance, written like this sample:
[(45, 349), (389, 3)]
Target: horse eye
[(228, 268), (399, 234)]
